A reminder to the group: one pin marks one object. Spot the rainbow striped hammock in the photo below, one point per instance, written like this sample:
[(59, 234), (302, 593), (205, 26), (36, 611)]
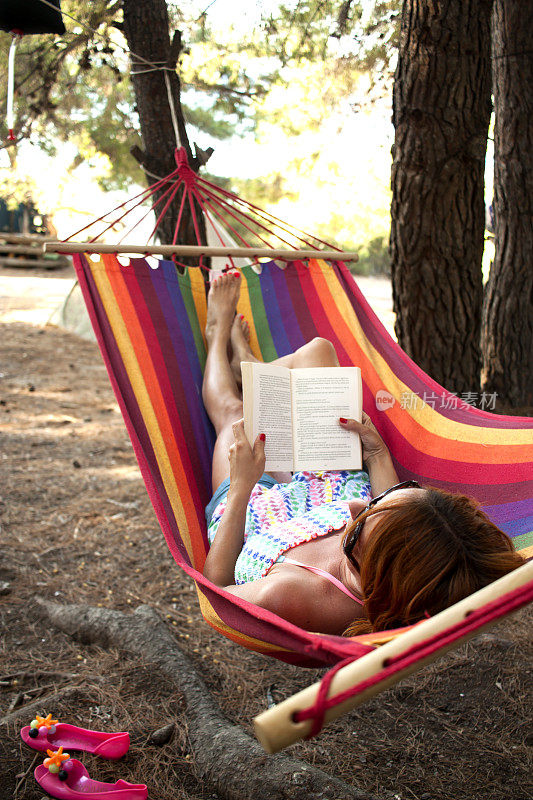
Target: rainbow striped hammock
[(149, 324)]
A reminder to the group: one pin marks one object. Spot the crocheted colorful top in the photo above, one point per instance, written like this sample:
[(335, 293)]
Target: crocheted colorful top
[(313, 504)]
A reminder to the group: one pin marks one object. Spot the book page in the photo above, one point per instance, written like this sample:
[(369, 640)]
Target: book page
[(266, 392), (319, 397)]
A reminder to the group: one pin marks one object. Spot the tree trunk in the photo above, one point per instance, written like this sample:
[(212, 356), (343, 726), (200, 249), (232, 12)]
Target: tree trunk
[(146, 28), (441, 113), (508, 308)]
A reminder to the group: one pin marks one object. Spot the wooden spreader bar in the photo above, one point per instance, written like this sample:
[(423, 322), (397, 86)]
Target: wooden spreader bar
[(277, 729), (196, 250)]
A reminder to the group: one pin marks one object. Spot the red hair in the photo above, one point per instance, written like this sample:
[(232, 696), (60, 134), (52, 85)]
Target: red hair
[(425, 554)]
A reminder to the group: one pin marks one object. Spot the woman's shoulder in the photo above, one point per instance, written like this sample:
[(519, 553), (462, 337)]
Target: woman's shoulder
[(305, 600), (283, 591)]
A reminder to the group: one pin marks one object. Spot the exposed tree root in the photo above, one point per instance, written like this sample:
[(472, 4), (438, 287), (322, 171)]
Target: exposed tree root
[(231, 761), (25, 713)]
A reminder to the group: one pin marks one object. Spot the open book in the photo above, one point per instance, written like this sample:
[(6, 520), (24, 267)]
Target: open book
[(299, 410)]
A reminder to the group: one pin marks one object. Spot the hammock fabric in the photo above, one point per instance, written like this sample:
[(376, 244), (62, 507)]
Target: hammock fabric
[(149, 324)]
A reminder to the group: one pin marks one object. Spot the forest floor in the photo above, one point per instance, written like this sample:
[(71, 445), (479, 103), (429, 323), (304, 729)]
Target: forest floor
[(77, 526)]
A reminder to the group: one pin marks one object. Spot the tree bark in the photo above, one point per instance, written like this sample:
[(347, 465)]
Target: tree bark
[(233, 763), (508, 307), (146, 28), (441, 113)]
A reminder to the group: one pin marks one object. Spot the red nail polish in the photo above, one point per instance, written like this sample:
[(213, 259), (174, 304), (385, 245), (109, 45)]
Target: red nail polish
[(344, 421), (262, 437)]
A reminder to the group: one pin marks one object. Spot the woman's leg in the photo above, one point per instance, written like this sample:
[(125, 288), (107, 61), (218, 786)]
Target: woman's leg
[(319, 352), (220, 393), (220, 389)]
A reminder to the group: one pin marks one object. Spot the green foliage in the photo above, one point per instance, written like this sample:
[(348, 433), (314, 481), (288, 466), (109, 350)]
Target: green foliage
[(207, 121), (75, 88), (339, 32), (49, 68), (378, 42), (295, 80), (373, 257), (15, 190), (311, 31), (350, 226), (97, 117), (79, 79)]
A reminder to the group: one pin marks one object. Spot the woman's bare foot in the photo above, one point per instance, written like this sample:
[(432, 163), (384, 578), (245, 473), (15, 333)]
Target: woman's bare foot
[(240, 345), (221, 304)]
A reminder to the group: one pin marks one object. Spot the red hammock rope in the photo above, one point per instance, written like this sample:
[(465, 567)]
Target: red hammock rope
[(220, 207), (482, 616)]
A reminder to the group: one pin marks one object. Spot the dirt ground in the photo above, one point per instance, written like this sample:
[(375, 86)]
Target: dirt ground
[(77, 526)]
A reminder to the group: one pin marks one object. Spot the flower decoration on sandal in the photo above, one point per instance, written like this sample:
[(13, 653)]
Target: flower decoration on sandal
[(42, 725), (54, 762)]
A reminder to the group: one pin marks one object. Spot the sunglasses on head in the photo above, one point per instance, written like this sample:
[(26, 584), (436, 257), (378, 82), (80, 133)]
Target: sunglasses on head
[(352, 537)]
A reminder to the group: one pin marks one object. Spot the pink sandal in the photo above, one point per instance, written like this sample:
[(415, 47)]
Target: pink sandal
[(45, 733), (67, 779)]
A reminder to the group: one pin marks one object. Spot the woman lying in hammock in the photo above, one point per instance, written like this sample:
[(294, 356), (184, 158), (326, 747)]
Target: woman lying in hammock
[(314, 548)]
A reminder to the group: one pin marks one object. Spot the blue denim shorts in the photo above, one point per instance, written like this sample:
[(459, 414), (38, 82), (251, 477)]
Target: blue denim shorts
[(265, 480)]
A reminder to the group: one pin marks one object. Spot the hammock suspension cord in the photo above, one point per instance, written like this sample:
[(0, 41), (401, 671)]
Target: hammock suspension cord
[(221, 208)]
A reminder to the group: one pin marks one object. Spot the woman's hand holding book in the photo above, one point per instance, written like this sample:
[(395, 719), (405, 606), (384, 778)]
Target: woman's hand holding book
[(376, 456)]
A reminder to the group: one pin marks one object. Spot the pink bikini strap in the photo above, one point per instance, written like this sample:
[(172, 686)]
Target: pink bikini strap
[(335, 581)]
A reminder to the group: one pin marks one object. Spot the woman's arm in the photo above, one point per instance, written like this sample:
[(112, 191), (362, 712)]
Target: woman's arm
[(246, 467), (220, 563), (381, 473), (376, 456)]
